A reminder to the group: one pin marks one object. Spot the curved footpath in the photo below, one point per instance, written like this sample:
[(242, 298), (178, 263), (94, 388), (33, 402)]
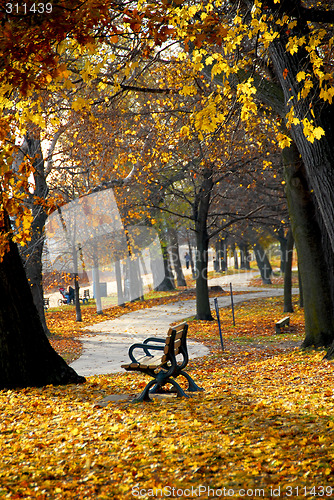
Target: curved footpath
[(107, 349)]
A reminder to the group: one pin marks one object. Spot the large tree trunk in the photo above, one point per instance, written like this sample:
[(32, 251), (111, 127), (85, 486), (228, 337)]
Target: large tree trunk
[(201, 210), (32, 252), (300, 285), (288, 307), (318, 156), (26, 356), (319, 321), (203, 310), (318, 160), (32, 258)]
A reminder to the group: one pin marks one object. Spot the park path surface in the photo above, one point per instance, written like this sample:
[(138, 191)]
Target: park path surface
[(106, 349)]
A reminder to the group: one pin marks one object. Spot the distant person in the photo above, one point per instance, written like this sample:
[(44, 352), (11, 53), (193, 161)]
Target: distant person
[(70, 295), (187, 259)]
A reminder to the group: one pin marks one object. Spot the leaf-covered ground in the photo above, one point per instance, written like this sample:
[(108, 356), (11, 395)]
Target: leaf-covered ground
[(277, 281), (263, 428)]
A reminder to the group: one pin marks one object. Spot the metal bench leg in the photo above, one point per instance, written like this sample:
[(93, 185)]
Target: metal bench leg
[(157, 389), (144, 396), (179, 390), (192, 386)]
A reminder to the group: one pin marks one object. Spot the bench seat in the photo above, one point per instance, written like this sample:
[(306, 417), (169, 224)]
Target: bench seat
[(281, 323)]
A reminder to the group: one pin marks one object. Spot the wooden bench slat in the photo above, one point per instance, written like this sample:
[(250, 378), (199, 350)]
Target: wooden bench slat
[(147, 362), (281, 323)]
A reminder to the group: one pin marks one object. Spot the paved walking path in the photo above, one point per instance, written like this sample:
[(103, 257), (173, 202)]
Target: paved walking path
[(107, 350)]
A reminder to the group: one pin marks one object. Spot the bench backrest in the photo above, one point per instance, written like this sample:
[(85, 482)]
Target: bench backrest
[(175, 341)]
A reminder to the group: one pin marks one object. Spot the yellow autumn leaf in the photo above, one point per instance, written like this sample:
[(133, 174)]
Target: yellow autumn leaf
[(301, 76), (318, 132), (283, 141), (80, 103)]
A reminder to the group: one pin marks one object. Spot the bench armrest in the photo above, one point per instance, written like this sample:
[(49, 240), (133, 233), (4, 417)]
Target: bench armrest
[(146, 348), (154, 339)]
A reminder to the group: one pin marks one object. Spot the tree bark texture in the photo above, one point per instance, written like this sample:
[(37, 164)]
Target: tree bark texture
[(235, 256), (26, 356), (118, 273), (201, 211), (318, 157), (32, 252), (221, 255), (283, 248), (318, 310), (192, 265), (288, 307), (300, 284)]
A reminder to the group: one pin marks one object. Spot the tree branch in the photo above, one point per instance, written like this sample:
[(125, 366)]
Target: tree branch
[(146, 89)]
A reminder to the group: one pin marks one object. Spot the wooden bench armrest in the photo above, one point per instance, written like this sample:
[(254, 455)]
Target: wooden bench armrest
[(146, 347)]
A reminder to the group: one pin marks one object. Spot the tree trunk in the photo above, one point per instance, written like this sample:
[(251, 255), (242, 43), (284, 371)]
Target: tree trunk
[(235, 256), (76, 297), (311, 186), (283, 248), (118, 273), (192, 265), (78, 316), (263, 264), (319, 321), (217, 258), (288, 307), (223, 255), (201, 210), (244, 256), (32, 258), (96, 285), (300, 285), (26, 356), (175, 257), (318, 157), (74, 253), (32, 252), (203, 310), (166, 283), (136, 288)]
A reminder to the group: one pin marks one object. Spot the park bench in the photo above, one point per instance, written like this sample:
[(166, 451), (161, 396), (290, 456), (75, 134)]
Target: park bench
[(163, 368), (281, 323)]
